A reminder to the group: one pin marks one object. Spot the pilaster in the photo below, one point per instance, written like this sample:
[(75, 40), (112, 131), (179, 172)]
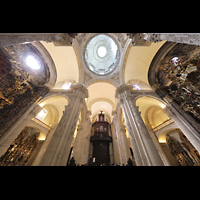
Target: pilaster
[(120, 136)]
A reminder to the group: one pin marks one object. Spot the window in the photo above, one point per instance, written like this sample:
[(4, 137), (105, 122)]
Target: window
[(42, 114), (136, 87), (66, 86)]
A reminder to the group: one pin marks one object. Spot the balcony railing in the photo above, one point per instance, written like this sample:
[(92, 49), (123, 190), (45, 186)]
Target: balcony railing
[(165, 123)]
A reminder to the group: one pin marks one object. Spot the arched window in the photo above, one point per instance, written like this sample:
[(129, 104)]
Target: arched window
[(42, 114)]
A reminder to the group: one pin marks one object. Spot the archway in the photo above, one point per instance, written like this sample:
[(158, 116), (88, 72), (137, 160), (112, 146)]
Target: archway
[(101, 98), (151, 111), (56, 105)]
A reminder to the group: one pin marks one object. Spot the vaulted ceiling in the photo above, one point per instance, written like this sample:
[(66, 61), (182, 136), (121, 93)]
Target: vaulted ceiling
[(102, 94), (139, 60)]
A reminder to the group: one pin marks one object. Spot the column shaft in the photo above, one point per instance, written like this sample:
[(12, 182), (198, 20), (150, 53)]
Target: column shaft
[(146, 153)]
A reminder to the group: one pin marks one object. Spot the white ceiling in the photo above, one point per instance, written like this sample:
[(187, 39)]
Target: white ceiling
[(101, 97), (65, 61), (139, 60)]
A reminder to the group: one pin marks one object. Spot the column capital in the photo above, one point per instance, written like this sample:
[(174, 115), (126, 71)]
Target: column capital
[(80, 88), (123, 90)]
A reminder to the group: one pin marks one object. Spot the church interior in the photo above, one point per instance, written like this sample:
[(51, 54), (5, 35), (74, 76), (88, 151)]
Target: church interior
[(99, 99)]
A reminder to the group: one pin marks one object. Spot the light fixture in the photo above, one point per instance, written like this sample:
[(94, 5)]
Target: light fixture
[(33, 62)]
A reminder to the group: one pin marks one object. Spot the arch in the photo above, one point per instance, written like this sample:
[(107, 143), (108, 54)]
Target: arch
[(147, 103), (96, 115), (60, 84), (153, 67), (56, 103), (101, 106), (52, 114), (101, 99), (162, 135), (155, 116), (105, 80), (101, 89)]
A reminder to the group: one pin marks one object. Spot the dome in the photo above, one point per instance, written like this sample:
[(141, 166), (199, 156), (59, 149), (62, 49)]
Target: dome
[(101, 54)]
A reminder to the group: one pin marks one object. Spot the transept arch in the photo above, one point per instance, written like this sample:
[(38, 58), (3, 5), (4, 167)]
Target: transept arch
[(101, 96)]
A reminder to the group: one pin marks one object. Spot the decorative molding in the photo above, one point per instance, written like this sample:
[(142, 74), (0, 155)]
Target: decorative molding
[(115, 77), (148, 38), (87, 77), (21, 38), (101, 99)]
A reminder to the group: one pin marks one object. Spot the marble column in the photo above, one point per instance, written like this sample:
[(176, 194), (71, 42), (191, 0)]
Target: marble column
[(82, 141), (119, 141), (77, 147), (126, 148), (58, 149), (115, 144), (124, 152), (157, 144), (84, 158), (144, 149)]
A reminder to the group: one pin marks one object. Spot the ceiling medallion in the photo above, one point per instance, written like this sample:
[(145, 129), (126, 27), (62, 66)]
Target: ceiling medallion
[(101, 55)]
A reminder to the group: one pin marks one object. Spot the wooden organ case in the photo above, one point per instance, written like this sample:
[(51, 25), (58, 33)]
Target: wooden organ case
[(101, 139)]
